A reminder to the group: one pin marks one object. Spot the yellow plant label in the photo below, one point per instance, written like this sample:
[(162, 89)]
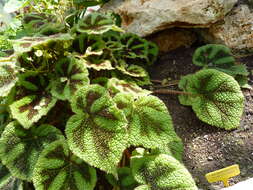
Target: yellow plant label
[(223, 174)]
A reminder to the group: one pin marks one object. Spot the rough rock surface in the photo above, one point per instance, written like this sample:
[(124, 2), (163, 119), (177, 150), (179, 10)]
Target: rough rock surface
[(173, 38), (144, 17), (235, 31)]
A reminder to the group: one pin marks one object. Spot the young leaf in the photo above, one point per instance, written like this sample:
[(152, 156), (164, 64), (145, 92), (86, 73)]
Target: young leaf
[(20, 148), (8, 75), (125, 179), (215, 97), (150, 124), (96, 23), (115, 86), (97, 132), (70, 75), (58, 168), (213, 55), (160, 172)]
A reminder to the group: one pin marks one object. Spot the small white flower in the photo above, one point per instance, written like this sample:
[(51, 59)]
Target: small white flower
[(38, 53)]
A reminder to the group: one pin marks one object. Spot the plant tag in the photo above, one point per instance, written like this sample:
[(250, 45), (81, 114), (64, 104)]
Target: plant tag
[(223, 174)]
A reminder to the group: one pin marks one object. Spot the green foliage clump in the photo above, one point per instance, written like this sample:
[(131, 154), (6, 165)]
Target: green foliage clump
[(215, 97)]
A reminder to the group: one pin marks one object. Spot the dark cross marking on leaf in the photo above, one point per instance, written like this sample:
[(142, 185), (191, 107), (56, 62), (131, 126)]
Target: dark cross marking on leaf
[(5, 80)]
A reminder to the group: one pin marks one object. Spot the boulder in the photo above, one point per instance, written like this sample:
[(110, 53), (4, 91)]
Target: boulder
[(144, 17), (235, 31)]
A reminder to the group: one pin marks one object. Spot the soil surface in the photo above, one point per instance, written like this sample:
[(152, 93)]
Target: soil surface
[(207, 148)]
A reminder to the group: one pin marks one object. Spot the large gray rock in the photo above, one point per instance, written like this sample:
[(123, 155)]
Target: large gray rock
[(235, 31), (144, 17)]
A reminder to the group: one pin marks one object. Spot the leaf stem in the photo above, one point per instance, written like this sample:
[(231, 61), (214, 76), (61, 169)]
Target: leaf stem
[(165, 91)]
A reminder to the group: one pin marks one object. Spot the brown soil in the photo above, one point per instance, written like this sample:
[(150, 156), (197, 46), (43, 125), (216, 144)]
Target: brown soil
[(207, 148)]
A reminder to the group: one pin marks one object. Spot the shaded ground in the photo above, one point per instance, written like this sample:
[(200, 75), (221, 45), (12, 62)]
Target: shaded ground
[(207, 148)]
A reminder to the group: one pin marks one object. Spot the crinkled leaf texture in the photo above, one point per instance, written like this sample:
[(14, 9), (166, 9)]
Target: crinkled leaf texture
[(20, 148), (97, 132), (215, 97), (70, 75), (8, 75), (32, 100), (115, 86), (149, 123), (8, 182), (96, 23), (58, 168), (160, 172)]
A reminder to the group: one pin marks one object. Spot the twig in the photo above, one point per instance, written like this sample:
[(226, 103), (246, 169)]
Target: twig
[(165, 91)]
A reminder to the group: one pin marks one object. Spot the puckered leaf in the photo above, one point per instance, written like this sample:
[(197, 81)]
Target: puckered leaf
[(125, 179), (20, 148), (8, 182), (96, 23), (70, 75), (137, 50), (97, 132), (58, 168), (115, 86), (161, 172), (150, 124), (8, 75), (34, 101), (215, 97)]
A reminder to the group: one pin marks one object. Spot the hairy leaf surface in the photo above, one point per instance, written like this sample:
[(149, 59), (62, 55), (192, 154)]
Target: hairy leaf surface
[(161, 172), (58, 168), (20, 148), (97, 132), (70, 75), (150, 124), (8, 75), (215, 97)]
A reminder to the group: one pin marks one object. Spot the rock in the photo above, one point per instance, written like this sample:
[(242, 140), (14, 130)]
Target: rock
[(235, 31), (144, 17), (173, 38)]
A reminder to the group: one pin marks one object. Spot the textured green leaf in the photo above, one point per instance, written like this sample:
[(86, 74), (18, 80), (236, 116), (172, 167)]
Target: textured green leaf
[(150, 124), (20, 148), (115, 86), (215, 97), (32, 100), (70, 75), (161, 172), (97, 132), (8, 75), (58, 168), (96, 23), (142, 187), (213, 55), (125, 179), (138, 50)]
